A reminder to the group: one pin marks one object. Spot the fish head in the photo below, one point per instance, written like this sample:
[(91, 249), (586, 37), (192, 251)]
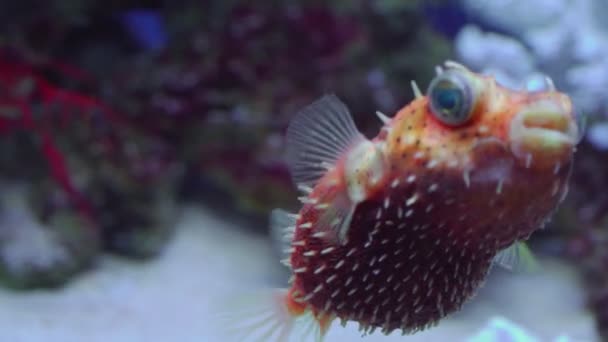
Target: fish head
[(464, 115), (499, 154)]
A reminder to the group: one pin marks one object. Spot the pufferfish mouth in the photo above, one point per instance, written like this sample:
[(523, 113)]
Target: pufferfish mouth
[(543, 127)]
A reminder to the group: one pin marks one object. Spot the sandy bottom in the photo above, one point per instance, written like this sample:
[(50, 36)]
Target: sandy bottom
[(169, 299)]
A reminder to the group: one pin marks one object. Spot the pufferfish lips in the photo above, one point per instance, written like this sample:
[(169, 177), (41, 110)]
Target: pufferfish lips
[(544, 130)]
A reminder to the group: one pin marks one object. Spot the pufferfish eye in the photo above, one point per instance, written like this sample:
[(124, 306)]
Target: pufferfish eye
[(450, 98)]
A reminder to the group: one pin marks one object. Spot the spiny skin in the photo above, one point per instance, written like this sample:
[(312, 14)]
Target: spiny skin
[(422, 243), (411, 265), (406, 266)]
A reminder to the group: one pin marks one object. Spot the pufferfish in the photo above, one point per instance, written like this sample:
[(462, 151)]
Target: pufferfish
[(399, 231)]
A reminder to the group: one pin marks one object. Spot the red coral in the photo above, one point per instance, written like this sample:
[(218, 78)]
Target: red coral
[(23, 88)]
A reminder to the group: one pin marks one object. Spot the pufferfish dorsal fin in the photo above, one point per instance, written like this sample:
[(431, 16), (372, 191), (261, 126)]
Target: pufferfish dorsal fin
[(317, 137), (518, 258)]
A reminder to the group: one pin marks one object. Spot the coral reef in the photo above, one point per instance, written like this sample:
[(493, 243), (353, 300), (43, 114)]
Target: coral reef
[(564, 39), (279, 59), (34, 252), (117, 111), (92, 179)]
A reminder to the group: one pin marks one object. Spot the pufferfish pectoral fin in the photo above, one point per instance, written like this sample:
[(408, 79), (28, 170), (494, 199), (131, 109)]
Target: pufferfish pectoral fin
[(317, 137), (337, 217), (518, 257)]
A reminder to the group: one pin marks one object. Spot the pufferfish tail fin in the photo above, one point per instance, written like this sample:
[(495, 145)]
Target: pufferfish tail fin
[(269, 315), (518, 258)]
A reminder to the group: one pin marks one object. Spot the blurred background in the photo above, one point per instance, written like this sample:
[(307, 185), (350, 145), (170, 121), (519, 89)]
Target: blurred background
[(141, 144)]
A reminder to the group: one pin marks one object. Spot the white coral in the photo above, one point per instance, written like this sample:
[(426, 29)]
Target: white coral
[(566, 39), (495, 55), (518, 15), (25, 244)]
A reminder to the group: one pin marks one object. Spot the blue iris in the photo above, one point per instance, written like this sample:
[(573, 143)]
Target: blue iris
[(448, 100)]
